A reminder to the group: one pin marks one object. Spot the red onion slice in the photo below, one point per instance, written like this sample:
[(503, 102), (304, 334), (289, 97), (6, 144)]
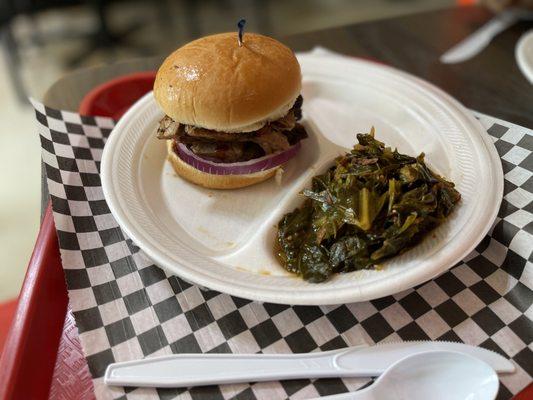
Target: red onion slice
[(239, 168)]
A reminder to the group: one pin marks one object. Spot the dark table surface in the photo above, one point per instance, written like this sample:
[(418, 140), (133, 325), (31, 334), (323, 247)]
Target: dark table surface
[(490, 82)]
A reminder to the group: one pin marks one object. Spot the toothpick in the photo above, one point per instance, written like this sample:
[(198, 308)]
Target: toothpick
[(240, 26)]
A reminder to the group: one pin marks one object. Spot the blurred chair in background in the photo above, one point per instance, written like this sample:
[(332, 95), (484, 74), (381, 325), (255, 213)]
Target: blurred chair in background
[(107, 37), (9, 9), (104, 37)]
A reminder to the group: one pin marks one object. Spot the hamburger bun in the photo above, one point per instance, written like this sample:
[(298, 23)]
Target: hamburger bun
[(212, 181), (216, 84)]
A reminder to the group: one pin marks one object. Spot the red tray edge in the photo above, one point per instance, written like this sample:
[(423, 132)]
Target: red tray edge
[(19, 351), (24, 352), (94, 95)]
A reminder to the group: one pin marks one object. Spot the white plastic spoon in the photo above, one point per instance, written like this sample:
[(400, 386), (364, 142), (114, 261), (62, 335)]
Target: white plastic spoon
[(436, 375)]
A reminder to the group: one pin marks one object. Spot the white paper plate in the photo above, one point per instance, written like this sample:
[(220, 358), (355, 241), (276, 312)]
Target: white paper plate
[(223, 240), (524, 55)]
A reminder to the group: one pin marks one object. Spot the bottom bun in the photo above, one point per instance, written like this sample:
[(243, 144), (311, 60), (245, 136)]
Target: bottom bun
[(212, 181)]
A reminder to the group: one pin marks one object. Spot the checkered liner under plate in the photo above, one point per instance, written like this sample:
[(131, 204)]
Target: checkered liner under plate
[(127, 308)]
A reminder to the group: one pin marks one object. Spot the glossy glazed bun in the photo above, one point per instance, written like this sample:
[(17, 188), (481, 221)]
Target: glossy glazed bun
[(216, 84), (212, 181)]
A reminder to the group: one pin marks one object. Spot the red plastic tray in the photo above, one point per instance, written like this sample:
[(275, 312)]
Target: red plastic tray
[(42, 356), (113, 98), (30, 349)]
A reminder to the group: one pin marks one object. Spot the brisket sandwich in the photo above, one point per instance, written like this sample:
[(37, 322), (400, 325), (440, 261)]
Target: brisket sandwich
[(232, 109)]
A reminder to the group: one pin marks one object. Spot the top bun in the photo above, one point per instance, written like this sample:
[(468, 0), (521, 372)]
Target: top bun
[(216, 84)]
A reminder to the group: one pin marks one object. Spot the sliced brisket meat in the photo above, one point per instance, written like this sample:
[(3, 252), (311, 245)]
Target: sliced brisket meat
[(271, 141), (168, 128), (227, 152), (228, 147), (220, 136), (296, 134)]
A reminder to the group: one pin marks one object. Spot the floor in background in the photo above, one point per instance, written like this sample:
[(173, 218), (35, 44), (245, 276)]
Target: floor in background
[(161, 27), (19, 189)]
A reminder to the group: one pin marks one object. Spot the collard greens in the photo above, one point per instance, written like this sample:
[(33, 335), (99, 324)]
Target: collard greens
[(372, 204)]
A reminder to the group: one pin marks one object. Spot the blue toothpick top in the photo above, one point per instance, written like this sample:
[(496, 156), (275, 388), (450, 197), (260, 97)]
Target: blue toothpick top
[(240, 26)]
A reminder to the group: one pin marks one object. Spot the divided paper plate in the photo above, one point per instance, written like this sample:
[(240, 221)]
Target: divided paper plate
[(224, 240)]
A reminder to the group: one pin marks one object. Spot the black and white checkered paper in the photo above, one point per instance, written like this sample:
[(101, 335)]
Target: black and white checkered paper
[(127, 308)]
